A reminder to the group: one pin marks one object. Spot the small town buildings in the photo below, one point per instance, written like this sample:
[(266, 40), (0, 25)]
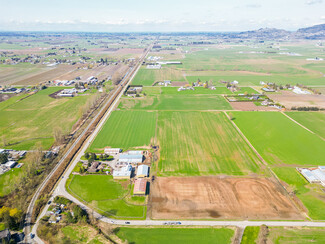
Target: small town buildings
[(140, 187), (123, 173), (130, 158), (143, 171), (112, 150)]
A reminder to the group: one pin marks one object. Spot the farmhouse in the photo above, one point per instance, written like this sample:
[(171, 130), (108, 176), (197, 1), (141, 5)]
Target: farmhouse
[(140, 187), (130, 158), (10, 164), (93, 167), (143, 171), (112, 150), (123, 173)]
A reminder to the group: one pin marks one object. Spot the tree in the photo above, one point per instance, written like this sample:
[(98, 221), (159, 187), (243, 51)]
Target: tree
[(87, 155), (101, 157), (3, 158), (116, 78)]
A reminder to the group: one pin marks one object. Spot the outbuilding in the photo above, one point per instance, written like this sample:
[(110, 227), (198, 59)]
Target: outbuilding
[(112, 150), (140, 187), (130, 158), (143, 171), (123, 173)]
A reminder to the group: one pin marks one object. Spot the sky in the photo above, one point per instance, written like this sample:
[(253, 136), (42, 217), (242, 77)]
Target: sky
[(158, 16)]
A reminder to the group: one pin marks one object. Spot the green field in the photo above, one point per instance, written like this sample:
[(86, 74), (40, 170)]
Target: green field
[(250, 235), (147, 77), (196, 91), (311, 195), (315, 121), (301, 235), (6, 179), (279, 140), (177, 102), (81, 234), (26, 122), (126, 129), (106, 195), (202, 143), (175, 235)]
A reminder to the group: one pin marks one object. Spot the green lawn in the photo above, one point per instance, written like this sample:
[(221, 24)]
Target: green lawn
[(126, 129), (106, 195), (279, 140), (26, 122), (311, 195), (7, 179), (300, 235), (82, 234), (202, 143), (250, 235), (315, 121), (175, 235)]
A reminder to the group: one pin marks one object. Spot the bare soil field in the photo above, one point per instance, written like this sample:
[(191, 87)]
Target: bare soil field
[(134, 52), (48, 74), (101, 72), (223, 198), (290, 99), (4, 97), (250, 106)]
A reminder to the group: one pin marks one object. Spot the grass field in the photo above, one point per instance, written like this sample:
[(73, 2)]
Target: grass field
[(315, 121), (177, 102), (81, 234), (6, 179), (106, 195), (147, 77), (23, 123), (279, 140), (310, 194), (126, 129), (201, 143), (175, 235), (197, 91), (250, 235), (301, 235)]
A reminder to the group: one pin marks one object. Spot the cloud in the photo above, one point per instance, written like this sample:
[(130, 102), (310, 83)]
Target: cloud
[(312, 2), (253, 6), (322, 17)]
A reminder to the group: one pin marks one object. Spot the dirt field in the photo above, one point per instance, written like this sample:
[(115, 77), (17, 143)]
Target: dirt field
[(290, 99), (250, 106), (223, 198)]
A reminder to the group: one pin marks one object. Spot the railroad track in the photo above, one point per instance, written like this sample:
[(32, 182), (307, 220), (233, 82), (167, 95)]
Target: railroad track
[(78, 143)]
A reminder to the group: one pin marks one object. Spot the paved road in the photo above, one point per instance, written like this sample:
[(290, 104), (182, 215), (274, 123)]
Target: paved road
[(60, 190)]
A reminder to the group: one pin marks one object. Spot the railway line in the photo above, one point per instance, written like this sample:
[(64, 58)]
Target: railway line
[(90, 131)]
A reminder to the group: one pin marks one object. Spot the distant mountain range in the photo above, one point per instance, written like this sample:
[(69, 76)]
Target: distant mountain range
[(313, 32)]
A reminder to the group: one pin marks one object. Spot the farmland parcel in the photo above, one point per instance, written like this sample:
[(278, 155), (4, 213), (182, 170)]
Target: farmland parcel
[(279, 140)]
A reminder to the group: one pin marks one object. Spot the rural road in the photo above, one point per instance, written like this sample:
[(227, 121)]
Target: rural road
[(60, 190)]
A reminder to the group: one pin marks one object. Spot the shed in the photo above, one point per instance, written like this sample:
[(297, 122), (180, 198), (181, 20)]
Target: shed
[(10, 164), (140, 187), (309, 176), (129, 158), (112, 150), (143, 171), (5, 236), (123, 173)]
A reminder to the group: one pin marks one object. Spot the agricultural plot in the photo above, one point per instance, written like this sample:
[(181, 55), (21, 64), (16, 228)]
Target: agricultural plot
[(315, 121), (202, 143), (126, 129), (175, 235), (177, 102), (26, 121), (310, 195), (105, 195), (279, 140), (196, 91), (148, 77), (250, 235), (206, 197), (301, 235)]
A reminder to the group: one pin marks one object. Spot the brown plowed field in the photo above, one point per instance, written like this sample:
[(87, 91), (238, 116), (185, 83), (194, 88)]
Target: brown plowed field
[(290, 99), (250, 106), (215, 197)]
